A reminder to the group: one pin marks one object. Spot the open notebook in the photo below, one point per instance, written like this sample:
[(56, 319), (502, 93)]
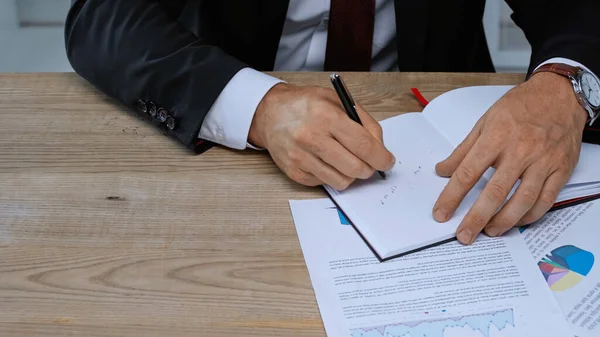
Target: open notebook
[(394, 216)]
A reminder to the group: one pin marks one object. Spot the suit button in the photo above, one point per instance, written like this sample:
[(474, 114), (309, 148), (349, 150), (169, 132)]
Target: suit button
[(161, 115), (142, 106), (152, 109), (170, 123)]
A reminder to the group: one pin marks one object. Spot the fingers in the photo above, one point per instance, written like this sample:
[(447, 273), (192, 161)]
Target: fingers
[(552, 187), (338, 157), (312, 171), (356, 139), (304, 178), (520, 203), (464, 177), (447, 167), (488, 202), (370, 123)]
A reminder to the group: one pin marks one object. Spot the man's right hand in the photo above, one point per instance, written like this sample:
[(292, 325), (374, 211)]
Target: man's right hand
[(310, 137)]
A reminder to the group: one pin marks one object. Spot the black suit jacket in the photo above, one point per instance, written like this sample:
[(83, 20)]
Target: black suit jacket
[(180, 54)]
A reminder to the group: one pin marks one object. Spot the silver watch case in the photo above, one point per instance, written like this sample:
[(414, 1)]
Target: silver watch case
[(593, 111)]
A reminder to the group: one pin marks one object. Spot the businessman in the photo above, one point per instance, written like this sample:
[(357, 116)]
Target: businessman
[(193, 69)]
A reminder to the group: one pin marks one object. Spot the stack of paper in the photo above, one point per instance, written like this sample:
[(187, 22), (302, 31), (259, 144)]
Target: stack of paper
[(492, 288)]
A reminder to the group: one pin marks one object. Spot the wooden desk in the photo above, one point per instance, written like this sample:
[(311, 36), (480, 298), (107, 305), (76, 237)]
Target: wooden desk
[(108, 228)]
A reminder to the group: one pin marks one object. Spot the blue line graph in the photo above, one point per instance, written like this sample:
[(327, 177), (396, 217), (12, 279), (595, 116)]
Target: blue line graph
[(437, 327)]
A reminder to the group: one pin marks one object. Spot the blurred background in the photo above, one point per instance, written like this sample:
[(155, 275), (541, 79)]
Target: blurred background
[(31, 33)]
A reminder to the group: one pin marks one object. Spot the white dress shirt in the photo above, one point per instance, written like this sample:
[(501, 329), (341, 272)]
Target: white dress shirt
[(302, 47)]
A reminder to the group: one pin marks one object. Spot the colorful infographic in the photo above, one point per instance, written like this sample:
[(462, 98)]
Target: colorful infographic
[(566, 266), (343, 219)]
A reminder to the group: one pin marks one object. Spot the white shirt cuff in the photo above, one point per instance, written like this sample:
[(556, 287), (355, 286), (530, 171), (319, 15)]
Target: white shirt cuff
[(565, 61), (228, 120)]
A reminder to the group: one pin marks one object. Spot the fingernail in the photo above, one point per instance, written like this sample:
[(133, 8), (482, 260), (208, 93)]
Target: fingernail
[(392, 163), (465, 236), (493, 231), (440, 215)]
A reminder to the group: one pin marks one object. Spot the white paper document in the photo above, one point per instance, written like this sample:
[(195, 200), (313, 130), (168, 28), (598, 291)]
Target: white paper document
[(565, 245), (490, 289)]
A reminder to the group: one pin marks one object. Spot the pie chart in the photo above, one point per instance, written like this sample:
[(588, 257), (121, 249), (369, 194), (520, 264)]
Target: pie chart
[(566, 266)]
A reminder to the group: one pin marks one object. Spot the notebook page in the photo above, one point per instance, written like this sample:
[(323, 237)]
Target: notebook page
[(456, 112), (586, 170), (395, 215), (569, 192)]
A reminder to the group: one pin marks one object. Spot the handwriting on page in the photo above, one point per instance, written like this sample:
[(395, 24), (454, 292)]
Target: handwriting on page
[(391, 191), (407, 183)]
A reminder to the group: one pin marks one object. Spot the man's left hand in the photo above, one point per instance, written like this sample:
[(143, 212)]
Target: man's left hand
[(534, 134)]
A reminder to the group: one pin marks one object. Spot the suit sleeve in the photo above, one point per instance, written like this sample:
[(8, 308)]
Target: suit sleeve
[(137, 53), (560, 28)]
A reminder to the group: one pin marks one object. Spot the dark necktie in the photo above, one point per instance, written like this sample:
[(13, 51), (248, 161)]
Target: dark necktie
[(350, 35)]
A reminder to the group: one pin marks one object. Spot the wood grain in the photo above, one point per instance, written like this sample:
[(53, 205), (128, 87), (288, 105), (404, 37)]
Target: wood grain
[(109, 228)]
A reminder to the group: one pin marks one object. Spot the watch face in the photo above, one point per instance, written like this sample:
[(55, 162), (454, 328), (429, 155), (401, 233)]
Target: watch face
[(591, 89)]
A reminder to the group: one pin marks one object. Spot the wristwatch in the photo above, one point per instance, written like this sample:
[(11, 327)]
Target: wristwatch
[(585, 84)]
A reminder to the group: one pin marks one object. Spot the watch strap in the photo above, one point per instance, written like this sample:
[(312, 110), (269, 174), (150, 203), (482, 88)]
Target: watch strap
[(558, 68), (572, 74)]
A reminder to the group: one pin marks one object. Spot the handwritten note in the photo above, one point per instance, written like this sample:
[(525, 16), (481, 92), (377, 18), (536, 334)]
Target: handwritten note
[(395, 213)]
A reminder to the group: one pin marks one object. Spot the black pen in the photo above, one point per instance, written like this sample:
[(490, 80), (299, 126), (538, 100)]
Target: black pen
[(347, 102)]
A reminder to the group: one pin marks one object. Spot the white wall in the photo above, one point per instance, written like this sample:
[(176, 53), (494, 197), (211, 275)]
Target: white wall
[(31, 48), (508, 46), (8, 14), (42, 11)]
